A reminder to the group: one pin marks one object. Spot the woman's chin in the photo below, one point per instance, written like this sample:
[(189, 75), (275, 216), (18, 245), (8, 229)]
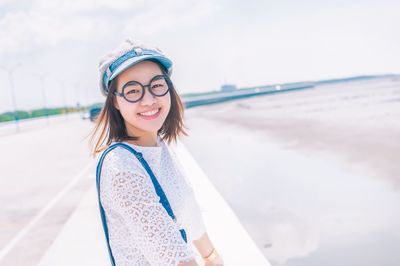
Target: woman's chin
[(153, 127)]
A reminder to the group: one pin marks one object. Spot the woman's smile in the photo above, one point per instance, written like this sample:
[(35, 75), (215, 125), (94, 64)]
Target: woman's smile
[(150, 115)]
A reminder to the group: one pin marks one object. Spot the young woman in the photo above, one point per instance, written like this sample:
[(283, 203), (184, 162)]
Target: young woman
[(148, 209)]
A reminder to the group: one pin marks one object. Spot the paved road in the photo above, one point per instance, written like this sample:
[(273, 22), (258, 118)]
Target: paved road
[(45, 172)]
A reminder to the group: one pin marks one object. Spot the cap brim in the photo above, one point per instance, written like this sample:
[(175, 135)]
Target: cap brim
[(134, 60)]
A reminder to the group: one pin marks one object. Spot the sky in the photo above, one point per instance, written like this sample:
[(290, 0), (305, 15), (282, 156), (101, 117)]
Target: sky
[(211, 42)]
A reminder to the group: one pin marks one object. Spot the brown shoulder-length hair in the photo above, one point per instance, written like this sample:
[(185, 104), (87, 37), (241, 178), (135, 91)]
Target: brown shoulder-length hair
[(110, 126)]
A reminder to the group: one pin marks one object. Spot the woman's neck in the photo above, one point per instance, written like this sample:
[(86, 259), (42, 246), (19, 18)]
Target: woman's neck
[(146, 139)]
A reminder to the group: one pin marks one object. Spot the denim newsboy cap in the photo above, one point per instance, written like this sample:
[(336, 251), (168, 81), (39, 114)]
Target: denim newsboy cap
[(127, 54)]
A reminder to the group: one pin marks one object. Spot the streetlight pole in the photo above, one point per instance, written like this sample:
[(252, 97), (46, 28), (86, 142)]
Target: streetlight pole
[(42, 78), (76, 85), (14, 102), (64, 100)]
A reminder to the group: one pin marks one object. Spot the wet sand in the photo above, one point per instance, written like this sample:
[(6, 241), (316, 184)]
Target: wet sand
[(312, 175)]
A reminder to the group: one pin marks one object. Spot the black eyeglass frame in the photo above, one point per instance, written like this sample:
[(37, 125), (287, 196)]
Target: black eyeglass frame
[(121, 94)]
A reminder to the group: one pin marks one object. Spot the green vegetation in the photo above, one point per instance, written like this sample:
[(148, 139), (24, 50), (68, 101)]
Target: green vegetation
[(9, 116), (35, 113)]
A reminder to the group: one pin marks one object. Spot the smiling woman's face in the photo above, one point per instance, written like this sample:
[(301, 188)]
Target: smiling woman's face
[(137, 123)]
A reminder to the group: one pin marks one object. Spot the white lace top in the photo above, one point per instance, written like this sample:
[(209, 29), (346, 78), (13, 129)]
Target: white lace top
[(140, 230)]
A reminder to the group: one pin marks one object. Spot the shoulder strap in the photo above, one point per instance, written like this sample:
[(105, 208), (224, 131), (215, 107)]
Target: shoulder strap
[(160, 192)]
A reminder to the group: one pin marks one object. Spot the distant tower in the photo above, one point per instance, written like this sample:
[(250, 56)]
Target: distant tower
[(228, 87)]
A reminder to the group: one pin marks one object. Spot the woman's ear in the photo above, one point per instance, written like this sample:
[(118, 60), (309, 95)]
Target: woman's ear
[(113, 87)]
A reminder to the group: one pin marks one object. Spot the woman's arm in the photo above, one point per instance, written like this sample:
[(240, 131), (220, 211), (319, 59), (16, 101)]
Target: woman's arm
[(205, 247)]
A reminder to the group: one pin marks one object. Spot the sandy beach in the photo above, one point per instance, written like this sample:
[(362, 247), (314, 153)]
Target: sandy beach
[(313, 174)]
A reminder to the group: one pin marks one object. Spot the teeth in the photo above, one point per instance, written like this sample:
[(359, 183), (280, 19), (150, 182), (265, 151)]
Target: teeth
[(149, 113)]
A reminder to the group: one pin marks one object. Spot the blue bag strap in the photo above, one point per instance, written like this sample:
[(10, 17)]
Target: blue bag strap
[(160, 192)]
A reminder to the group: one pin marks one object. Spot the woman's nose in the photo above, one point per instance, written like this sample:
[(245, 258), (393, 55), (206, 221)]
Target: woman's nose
[(148, 98)]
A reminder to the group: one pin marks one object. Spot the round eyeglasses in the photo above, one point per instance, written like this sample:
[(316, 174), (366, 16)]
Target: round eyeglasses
[(133, 91)]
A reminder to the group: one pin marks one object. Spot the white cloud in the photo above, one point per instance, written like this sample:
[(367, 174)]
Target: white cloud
[(27, 31), (74, 6), (170, 15), (48, 23)]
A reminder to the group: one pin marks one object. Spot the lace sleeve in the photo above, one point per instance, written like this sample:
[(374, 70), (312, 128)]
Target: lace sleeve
[(130, 192), (193, 221)]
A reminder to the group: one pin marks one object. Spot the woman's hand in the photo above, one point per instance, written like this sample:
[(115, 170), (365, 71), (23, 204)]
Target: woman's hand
[(218, 261), (205, 247)]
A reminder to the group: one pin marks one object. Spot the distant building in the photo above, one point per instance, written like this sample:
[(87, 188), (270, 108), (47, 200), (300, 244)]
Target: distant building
[(228, 87)]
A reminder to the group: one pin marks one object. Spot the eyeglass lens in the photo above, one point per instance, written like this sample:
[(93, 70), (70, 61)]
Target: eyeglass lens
[(134, 90)]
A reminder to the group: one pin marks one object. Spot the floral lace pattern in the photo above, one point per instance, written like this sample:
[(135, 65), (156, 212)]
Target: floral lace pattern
[(140, 230)]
